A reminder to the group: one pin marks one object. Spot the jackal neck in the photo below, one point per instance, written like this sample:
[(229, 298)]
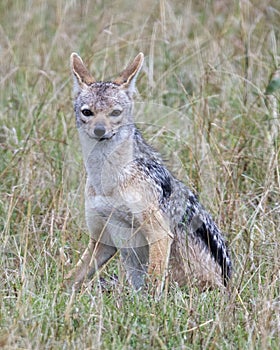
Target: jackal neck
[(105, 160)]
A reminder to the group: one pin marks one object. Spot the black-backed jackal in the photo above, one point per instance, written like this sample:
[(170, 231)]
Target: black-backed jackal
[(133, 203)]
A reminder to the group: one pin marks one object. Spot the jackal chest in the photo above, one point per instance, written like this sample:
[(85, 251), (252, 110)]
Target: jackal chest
[(104, 180), (104, 190), (103, 199)]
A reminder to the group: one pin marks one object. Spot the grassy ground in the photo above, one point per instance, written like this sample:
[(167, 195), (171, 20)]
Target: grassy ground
[(202, 102)]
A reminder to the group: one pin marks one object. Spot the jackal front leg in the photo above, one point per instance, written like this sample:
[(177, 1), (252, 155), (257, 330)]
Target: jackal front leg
[(95, 255)]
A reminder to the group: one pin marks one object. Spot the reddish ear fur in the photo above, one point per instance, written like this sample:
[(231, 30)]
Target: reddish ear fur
[(80, 71), (82, 77), (129, 75)]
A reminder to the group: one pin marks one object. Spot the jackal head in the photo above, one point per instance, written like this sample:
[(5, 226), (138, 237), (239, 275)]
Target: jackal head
[(101, 108)]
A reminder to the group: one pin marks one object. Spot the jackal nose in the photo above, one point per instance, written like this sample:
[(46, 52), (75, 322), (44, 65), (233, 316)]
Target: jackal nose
[(99, 130)]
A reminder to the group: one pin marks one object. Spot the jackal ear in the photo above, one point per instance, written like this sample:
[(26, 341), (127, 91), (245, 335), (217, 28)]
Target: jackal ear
[(81, 75), (128, 77)]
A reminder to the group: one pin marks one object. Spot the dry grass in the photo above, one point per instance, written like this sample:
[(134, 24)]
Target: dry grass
[(208, 64)]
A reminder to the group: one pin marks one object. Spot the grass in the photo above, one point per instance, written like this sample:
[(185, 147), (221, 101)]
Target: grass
[(202, 103)]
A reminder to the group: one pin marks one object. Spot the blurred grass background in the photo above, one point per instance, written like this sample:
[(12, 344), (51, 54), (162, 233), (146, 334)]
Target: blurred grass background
[(208, 99)]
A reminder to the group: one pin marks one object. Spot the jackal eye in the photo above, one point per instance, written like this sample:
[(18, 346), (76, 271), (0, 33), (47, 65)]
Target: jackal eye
[(87, 112), (115, 113)]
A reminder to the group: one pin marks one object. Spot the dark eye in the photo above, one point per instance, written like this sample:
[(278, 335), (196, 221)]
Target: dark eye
[(87, 112), (115, 113)]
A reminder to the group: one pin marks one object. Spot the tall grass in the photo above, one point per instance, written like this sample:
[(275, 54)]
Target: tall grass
[(202, 101)]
